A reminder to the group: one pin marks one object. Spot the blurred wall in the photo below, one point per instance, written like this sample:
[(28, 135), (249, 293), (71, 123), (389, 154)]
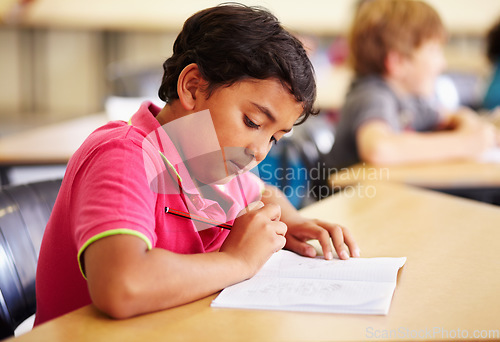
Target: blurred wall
[(54, 65)]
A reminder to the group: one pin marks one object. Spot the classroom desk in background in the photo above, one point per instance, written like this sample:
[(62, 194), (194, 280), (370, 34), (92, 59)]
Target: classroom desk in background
[(476, 180), (47, 145), (448, 287)]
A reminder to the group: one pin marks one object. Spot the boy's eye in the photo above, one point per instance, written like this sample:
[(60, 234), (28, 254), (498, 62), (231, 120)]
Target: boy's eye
[(250, 123), (253, 125)]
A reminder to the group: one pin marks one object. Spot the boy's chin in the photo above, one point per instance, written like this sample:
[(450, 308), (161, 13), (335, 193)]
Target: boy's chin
[(215, 180), (224, 180)]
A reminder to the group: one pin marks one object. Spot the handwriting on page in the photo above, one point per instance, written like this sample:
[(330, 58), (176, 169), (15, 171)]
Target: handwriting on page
[(306, 288), (291, 282)]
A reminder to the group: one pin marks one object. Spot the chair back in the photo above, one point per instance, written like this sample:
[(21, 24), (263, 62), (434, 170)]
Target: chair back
[(24, 212)]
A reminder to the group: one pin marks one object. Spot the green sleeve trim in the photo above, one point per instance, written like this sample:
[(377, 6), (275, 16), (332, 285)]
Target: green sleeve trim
[(110, 233)]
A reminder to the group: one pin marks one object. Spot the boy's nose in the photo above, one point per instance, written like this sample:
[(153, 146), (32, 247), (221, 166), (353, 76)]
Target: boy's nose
[(258, 153)]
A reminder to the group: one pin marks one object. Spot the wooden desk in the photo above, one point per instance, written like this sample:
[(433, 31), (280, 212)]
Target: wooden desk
[(453, 174), (51, 144), (450, 281), (46, 145)]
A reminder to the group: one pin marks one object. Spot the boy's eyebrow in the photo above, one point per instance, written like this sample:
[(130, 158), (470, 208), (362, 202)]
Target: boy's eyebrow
[(267, 112)]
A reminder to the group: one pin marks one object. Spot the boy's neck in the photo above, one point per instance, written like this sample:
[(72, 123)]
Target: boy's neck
[(170, 112), (397, 87)]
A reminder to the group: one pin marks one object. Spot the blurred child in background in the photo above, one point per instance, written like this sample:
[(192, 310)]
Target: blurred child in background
[(396, 52)]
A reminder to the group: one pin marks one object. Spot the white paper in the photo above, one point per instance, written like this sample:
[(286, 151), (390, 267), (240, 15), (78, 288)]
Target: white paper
[(492, 156), (294, 283)]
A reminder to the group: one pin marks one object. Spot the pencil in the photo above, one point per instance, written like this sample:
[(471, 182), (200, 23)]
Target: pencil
[(193, 217)]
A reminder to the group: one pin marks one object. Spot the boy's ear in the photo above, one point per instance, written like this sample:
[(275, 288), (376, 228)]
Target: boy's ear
[(188, 86), (394, 62)]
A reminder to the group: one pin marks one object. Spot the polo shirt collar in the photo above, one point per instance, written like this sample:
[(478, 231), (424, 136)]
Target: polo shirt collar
[(145, 119)]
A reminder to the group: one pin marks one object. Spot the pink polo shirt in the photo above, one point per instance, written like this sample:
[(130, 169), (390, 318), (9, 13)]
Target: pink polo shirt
[(118, 182)]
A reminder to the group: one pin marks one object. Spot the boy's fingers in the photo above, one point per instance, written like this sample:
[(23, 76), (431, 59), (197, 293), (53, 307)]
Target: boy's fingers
[(281, 242), (273, 211), (323, 237), (252, 206), (338, 242), (341, 237), (255, 205), (351, 243), (300, 247), (280, 228)]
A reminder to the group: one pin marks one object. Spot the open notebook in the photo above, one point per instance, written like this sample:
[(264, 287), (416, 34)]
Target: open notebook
[(294, 283)]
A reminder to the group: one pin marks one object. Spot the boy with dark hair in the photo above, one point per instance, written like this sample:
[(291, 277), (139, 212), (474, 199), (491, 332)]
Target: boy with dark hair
[(160, 211), (265, 51), (396, 53)]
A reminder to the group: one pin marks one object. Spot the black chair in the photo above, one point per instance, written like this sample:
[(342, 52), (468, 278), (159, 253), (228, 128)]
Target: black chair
[(24, 212)]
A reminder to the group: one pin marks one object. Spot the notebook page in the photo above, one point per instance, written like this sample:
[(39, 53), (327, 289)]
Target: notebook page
[(288, 264), (294, 283)]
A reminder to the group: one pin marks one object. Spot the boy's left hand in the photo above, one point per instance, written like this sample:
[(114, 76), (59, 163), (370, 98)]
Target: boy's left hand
[(300, 232)]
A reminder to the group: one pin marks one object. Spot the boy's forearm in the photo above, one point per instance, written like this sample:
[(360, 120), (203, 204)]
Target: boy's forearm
[(183, 278), (428, 147), (148, 281), (379, 145)]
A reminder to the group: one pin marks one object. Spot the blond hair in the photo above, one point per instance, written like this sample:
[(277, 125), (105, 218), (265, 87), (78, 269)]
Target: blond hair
[(381, 26)]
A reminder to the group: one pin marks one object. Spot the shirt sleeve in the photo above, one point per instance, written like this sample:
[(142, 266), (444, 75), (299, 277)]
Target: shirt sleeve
[(372, 103), (112, 196)]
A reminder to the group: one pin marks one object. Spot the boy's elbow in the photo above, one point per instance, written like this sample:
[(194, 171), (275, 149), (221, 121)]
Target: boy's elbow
[(114, 308), (117, 299)]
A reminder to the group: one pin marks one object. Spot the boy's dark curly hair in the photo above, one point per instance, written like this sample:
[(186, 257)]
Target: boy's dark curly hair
[(233, 42), (493, 43)]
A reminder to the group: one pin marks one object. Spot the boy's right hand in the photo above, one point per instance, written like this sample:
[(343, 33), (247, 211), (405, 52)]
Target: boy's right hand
[(255, 236)]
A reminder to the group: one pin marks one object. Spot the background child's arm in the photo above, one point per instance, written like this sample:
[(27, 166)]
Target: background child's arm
[(467, 137), (300, 230), (126, 279)]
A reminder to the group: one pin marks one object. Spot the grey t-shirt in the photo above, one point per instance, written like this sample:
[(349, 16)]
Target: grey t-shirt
[(370, 98)]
